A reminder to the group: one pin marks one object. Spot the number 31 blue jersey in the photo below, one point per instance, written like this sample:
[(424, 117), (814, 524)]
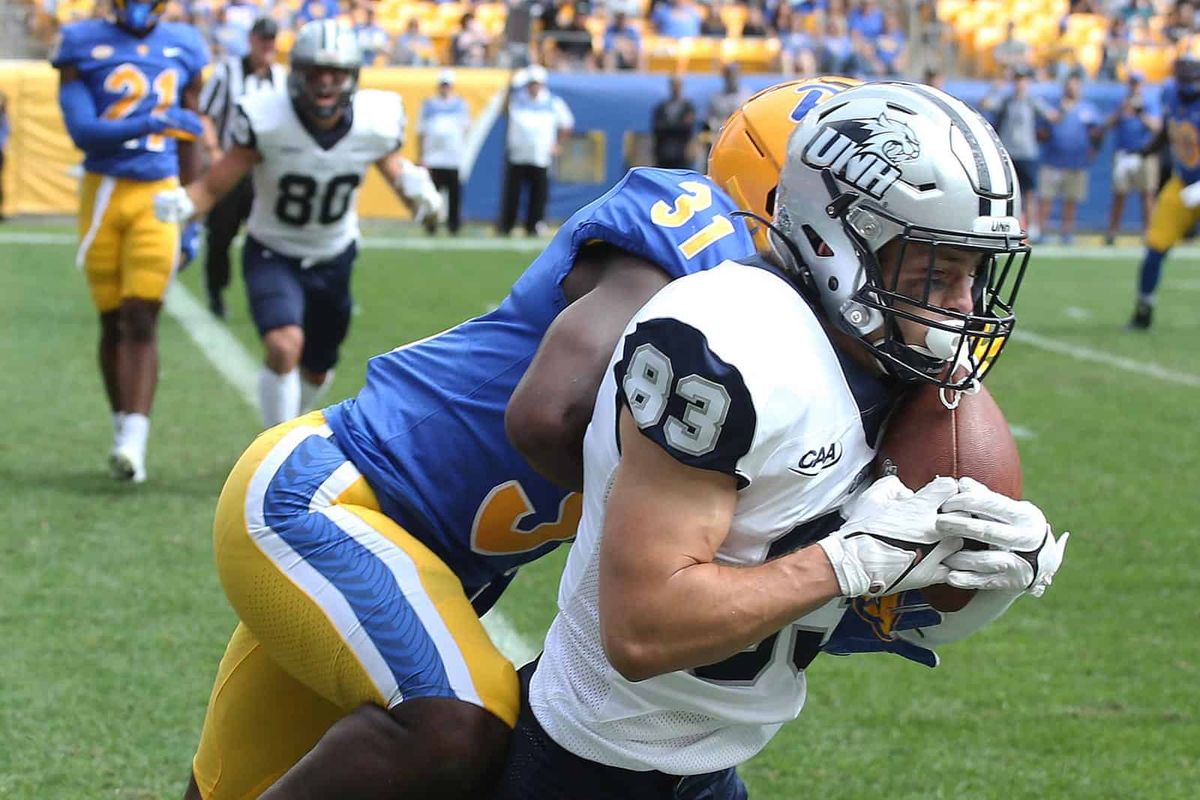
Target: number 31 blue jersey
[(427, 430)]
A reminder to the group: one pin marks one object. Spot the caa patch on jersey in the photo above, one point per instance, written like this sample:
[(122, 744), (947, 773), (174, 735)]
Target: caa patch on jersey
[(684, 397)]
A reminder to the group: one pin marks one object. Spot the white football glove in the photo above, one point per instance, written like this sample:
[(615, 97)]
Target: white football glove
[(1190, 195), (173, 205), (1025, 554), (417, 187), (890, 542)]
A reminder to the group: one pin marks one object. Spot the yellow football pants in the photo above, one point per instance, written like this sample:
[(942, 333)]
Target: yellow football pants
[(124, 251), (1171, 219), (339, 606)]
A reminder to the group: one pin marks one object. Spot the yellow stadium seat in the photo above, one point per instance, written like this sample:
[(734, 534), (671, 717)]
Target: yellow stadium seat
[(753, 55), (948, 10), (698, 55), (734, 19), (662, 53), (986, 39), (1090, 56)]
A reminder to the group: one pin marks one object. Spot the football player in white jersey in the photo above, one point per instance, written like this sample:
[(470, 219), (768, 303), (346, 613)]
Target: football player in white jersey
[(714, 559), (309, 150)]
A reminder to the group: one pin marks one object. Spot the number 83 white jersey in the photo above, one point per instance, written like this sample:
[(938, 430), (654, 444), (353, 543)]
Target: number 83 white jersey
[(306, 185), (727, 370)]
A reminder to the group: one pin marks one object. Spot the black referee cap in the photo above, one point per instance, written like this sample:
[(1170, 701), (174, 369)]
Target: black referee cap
[(264, 28)]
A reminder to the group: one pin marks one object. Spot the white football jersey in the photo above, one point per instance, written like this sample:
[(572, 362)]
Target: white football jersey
[(728, 370), (306, 185)]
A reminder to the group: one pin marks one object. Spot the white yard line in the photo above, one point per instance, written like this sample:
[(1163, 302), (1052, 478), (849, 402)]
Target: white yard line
[(1079, 353), (240, 369), (1075, 312), (1021, 432)]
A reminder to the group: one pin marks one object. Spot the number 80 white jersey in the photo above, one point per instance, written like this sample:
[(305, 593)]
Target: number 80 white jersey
[(727, 370), (305, 190)]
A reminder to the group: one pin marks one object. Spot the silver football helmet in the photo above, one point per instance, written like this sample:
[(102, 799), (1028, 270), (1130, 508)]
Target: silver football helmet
[(905, 163), (321, 46)]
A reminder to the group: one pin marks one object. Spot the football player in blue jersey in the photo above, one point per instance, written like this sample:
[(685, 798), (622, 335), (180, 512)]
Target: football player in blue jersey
[(359, 544), (1177, 208), (129, 90)]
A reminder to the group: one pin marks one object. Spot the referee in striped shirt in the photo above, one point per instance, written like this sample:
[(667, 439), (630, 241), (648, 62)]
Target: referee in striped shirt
[(232, 78)]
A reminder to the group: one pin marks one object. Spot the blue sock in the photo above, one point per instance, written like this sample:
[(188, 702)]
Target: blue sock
[(1150, 273)]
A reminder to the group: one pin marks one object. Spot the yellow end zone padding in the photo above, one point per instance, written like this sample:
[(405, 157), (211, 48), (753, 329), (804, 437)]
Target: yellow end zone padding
[(41, 170)]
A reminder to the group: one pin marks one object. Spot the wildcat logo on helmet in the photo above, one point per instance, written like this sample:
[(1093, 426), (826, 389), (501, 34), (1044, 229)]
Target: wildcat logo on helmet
[(864, 152)]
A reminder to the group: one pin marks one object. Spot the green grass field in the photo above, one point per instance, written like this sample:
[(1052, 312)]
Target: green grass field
[(112, 620)]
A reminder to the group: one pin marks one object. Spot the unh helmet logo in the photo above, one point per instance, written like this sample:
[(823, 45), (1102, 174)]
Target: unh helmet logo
[(864, 152)]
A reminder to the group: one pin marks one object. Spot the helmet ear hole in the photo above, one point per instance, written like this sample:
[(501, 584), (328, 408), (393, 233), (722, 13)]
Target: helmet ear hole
[(818, 245), (771, 200)]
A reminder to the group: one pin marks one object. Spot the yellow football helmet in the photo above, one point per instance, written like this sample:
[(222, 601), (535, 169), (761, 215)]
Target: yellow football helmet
[(750, 149)]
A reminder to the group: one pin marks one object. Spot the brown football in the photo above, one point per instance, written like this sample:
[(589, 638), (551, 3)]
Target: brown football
[(923, 439)]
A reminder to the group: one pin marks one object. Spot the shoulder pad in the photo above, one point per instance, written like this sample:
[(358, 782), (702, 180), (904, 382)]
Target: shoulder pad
[(258, 115), (196, 46), (684, 397), (381, 115), (677, 219), (71, 45), (264, 110)]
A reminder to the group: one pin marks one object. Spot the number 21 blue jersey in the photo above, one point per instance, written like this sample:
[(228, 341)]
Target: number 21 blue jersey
[(427, 430), (129, 75)]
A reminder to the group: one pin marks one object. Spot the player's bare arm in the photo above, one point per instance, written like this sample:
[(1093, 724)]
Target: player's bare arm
[(198, 197), (552, 405), (190, 164), (664, 604), (222, 177)]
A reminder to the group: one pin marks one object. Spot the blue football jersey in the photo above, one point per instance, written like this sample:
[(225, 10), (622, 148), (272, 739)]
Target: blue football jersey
[(1183, 128), (427, 430), (129, 75)]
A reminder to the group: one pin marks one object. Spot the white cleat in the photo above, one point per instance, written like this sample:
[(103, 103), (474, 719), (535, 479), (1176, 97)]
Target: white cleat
[(127, 464)]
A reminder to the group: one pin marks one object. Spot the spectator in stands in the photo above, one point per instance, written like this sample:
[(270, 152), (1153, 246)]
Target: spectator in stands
[(1015, 116), (232, 78), (569, 40), (441, 139), (838, 55), (229, 38), (1012, 54), (810, 12), (866, 20), (934, 78), (317, 9), (798, 50), (1072, 130), (469, 46), (1135, 166), (412, 48), (538, 124), (5, 133), (755, 26), (622, 44), (241, 13), (677, 19), (1180, 23), (885, 54), (1137, 9), (373, 40), (712, 25), (1116, 48), (674, 122), (723, 102)]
